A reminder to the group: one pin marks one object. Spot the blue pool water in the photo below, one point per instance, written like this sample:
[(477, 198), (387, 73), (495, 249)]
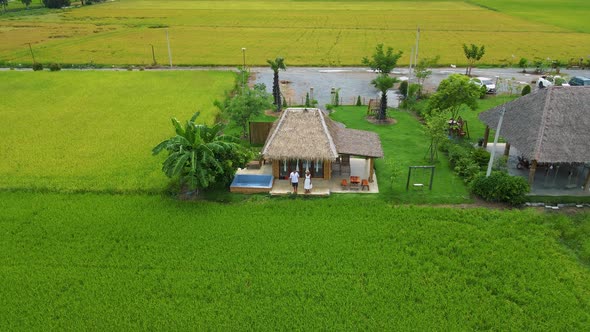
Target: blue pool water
[(252, 181)]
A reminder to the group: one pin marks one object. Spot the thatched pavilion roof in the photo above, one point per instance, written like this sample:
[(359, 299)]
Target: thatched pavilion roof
[(308, 133), (551, 125)]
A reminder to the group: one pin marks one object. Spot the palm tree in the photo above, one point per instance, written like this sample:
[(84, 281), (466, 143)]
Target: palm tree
[(200, 155), (383, 83), (276, 65)]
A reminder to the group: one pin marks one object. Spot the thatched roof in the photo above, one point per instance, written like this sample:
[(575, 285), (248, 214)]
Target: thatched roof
[(308, 133), (355, 142), (551, 125)]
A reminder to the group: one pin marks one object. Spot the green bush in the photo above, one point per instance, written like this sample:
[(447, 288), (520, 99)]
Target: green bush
[(403, 88), (483, 91), (526, 90), (481, 157), (466, 168), (56, 3), (457, 152), (500, 187), (465, 160), (54, 67), (559, 81), (37, 66), (358, 101)]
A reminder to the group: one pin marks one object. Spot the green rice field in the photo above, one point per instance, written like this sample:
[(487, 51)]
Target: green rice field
[(111, 262), (324, 33), (94, 131)]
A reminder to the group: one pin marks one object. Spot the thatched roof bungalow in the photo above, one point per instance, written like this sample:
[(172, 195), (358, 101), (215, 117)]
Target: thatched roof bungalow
[(306, 138), (550, 126)]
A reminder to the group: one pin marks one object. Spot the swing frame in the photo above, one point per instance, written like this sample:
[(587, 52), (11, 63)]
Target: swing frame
[(410, 168)]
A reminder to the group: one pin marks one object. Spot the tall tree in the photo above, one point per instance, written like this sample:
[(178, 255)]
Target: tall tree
[(382, 61), (422, 69), (453, 93), (276, 65), (242, 107), (201, 155), (383, 83), (437, 129), (473, 53), (4, 4), (26, 3)]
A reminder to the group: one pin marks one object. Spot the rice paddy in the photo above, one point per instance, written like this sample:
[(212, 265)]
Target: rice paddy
[(94, 131), (88, 244), (110, 262), (323, 33)]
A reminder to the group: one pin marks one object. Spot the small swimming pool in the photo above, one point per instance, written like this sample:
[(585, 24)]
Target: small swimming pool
[(251, 183)]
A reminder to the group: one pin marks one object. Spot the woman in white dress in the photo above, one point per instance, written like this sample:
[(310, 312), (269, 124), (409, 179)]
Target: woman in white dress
[(307, 184)]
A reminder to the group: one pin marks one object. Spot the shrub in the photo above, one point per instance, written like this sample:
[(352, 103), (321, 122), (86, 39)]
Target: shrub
[(403, 88), (466, 168), (37, 66), (54, 67), (481, 157), (358, 101), (483, 91), (526, 90), (56, 3), (500, 187), (559, 81), (457, 152)]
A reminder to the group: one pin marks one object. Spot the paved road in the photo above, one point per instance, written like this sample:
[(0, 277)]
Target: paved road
[(354, 82)]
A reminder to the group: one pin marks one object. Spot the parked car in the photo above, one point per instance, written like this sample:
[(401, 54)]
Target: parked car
[(489, 84), (579, 81), (545, 81)]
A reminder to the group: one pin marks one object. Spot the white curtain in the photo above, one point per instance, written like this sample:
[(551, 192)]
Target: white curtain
[(297, 167), (317, 165), (285, 165)]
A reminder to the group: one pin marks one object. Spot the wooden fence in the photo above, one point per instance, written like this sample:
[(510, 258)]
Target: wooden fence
[(259, 131)]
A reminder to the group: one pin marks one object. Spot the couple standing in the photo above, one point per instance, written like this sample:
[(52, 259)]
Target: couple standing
[(294, 176)]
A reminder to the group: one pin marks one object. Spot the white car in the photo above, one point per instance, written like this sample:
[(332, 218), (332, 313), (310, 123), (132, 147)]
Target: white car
[(488, 82), (545, 81)]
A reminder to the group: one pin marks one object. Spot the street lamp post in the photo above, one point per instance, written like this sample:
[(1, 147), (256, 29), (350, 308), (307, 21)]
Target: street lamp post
[(244, 69)]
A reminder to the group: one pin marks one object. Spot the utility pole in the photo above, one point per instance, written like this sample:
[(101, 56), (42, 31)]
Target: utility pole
[(169, 51), (417, 45), (489, 171), (32, 55), (243, 69), (153, 56)]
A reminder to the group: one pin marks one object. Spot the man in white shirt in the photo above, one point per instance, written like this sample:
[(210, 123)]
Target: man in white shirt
[(294, 176)]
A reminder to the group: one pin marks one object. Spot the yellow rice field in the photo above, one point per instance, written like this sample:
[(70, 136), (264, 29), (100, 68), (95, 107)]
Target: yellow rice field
[(320, 33)]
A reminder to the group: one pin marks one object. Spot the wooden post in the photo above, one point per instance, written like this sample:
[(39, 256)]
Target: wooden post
[(371, 169), (327, 170), (507, 150), (486, 137), (587, 181), (532, 172), (275, 168)]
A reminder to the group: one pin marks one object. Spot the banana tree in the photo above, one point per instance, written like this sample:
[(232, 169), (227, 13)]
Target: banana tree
[(201, 155)]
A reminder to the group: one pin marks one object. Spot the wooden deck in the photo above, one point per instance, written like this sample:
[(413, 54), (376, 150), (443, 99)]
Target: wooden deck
[(358, 167)]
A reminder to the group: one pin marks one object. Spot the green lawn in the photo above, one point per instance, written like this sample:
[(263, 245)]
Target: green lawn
[(94, 131), (406, 144), (126, 262), (325, 33)]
